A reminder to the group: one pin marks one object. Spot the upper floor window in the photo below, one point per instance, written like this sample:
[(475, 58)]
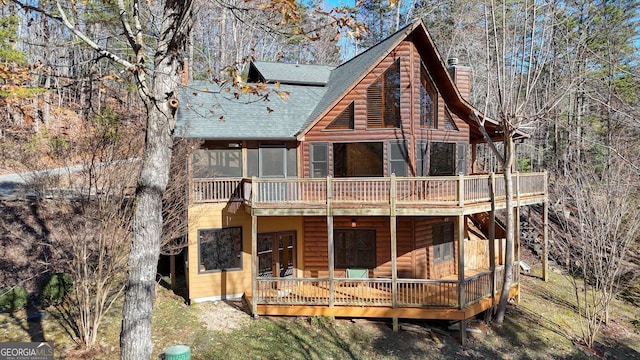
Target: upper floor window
[(428, 101), (441, 158), (319, 158), (398, 157), (275, 161), (383, 99), (344, 121), (209, 163)]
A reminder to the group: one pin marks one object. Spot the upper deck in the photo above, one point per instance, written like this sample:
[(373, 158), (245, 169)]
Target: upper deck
[(381, 196)]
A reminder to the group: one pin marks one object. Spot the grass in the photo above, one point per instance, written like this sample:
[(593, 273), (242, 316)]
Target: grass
[(543, 325)]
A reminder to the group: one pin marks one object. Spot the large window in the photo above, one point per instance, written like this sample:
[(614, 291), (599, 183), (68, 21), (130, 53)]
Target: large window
[(398, 158), (220, 249), (441, 159), (358, 159), (442, 242), (209, 163), (383, 99), (355, 248), (319, 154), (275, 161)]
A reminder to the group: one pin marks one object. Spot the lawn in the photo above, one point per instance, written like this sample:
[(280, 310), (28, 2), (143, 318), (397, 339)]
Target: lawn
[(542, 325)]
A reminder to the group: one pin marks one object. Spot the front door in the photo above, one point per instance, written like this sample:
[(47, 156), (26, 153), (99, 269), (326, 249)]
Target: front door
[(276, 254)]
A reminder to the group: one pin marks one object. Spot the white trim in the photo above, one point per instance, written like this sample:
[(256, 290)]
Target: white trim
[(216, 298)]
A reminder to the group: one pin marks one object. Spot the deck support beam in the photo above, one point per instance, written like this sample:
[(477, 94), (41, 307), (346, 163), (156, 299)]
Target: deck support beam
[(172, 271), (330, 244), (516, 244), (545, 240), (461, 294), (254, 266), (394, 250)]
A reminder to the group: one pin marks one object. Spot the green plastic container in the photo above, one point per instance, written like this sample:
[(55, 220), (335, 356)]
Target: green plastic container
[(177, 352)]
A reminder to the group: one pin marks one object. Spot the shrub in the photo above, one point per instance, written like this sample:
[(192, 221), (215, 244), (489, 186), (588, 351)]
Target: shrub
[(13, 298), (55, 289)]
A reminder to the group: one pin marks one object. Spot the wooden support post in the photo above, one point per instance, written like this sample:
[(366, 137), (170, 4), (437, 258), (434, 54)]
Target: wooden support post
[(172, 270), (396, 324), (330, 243), (254, 265), (461, 190), (545, 240), (516, 244), (474, 158), (461, 295), (463, 332), (394, 244)]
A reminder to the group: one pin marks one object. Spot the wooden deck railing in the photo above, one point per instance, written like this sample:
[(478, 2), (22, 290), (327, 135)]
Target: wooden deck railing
[(444, 190), (378, 291)]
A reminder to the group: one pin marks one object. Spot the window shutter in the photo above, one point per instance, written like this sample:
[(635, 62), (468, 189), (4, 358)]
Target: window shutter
[(422, 159), (462, 158), (374, 105)]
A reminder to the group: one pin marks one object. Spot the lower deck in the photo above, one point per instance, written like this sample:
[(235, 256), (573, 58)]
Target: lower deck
[(444, 299)]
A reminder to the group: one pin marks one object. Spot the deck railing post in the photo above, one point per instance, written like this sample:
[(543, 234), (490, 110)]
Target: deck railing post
[(254, 266), (461, 284), (254, 190), (545, 240), (330, 244), (461, 190), (394, 249)]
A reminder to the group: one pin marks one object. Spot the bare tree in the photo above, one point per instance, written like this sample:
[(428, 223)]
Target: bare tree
[(517, 34), (97, 224), (598, 214)]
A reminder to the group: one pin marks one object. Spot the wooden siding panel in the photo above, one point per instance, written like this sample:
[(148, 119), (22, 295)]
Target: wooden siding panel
[(410, 129)]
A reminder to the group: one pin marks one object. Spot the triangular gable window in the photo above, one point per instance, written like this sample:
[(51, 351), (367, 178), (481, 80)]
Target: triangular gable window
[(449, 124), (344, 121), (383, 99), (428, 101)]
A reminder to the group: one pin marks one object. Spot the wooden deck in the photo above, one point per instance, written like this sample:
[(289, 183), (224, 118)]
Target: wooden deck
[(422, 196), (413, 298)]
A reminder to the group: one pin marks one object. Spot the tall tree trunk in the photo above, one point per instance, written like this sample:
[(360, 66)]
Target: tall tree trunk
[(135, 337), (509, 228)]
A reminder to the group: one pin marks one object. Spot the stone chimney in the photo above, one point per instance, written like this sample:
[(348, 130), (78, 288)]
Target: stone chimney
[(461, 76)]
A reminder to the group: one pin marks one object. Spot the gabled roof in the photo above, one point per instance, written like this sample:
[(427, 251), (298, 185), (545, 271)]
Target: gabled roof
[(299, 74), (211, 113)]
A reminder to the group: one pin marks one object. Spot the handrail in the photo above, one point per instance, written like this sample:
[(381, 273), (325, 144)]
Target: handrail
[(436, 190)]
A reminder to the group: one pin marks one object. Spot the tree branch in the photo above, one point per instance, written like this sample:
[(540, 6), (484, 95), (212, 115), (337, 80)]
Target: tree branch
[(486, 136), (91, 43)]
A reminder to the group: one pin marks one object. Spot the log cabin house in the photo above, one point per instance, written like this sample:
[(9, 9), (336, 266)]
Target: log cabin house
[(356, 195)]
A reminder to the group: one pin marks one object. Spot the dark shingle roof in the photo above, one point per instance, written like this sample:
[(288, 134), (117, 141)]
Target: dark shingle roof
[(208, 112), (293, 73)]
